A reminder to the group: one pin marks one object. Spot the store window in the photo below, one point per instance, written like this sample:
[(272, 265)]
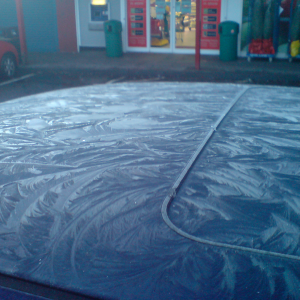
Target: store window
[(283, 25)]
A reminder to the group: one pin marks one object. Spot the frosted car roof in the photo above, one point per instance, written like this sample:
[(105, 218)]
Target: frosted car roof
[(85, 171)]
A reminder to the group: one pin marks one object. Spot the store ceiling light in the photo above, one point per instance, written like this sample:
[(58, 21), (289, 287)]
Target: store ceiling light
[(99, 2)]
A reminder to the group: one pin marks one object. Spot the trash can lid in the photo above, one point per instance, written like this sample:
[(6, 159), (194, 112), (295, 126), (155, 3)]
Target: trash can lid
[(113, 25), (229, 27)]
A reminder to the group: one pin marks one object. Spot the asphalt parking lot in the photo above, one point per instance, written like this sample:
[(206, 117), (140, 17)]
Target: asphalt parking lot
[(34, 82), (30, 83), (48, 72)]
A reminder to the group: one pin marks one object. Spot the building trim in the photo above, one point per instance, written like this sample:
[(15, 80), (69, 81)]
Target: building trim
[(77, 18)]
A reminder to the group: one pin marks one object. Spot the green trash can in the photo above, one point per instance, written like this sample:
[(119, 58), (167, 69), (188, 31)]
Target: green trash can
[(228, 31), (113, 38)]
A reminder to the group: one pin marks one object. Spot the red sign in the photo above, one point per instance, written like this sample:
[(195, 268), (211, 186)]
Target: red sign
[(211, 14), (136, 20)]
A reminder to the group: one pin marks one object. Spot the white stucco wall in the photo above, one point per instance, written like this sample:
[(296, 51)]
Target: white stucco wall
[(93, 37)]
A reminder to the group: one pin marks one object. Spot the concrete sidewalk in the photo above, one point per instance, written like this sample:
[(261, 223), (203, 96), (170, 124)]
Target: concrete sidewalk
[(171, 66)]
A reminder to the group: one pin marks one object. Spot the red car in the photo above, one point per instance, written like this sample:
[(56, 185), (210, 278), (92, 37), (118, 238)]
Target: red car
[(9, 59)]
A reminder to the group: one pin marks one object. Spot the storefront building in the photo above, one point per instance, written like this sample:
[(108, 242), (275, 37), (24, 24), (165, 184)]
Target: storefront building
[(168, 26), (156, 25), (159, 26)]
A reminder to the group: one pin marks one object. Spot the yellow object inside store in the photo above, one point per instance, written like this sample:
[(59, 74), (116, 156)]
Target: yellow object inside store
[(295, 48)]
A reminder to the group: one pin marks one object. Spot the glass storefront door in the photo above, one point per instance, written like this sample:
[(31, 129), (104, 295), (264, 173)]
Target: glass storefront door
[(185, 14), (160, 19), (172, 24)]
